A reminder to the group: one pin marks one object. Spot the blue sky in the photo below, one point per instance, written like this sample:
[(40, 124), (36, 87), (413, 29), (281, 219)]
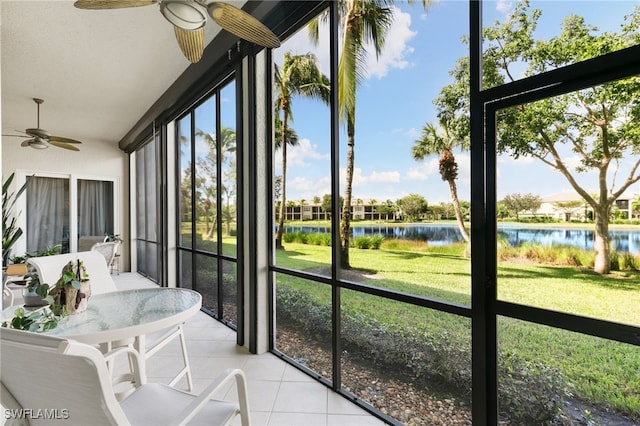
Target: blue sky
[(395, 100)]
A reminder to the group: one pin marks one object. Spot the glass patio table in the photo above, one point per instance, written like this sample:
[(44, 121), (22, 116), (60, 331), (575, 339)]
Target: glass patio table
[(125, 317)]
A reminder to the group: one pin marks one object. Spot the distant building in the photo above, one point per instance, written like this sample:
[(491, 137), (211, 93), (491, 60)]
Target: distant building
[(361, 209), (570, 205)]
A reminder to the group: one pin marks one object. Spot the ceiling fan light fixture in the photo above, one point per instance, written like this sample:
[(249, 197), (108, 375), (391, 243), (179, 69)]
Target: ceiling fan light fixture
[(188, 16), (38, 143)]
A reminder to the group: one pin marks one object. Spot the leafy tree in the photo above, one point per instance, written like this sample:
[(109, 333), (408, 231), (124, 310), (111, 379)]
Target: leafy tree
[(299, 75), (207, 166), (326, 203), (413, 206), (388, 209), (599, 124), (635, 207), (363, 22), (518, 203), (441, 141)]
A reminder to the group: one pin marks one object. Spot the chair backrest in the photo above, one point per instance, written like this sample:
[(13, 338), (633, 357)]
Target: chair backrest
[(106, 249), (56, 380), (49, 269), (86, 241)]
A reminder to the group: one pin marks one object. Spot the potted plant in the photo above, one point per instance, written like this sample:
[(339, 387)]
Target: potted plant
[(11, 232), (73, 289), (37, 293)]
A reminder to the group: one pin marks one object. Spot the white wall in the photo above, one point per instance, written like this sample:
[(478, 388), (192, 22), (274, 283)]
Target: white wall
[(96, 160)]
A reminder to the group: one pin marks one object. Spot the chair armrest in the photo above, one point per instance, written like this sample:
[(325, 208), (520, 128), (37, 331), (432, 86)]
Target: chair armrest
[(205, 396)]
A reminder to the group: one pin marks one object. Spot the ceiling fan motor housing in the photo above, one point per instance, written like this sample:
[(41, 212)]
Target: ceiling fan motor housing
[(188, 16), (38, 133)]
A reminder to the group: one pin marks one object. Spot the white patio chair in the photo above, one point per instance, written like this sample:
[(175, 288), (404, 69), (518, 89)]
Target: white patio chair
[(69, 382), (109, 250), (13, 280), (49, 268)]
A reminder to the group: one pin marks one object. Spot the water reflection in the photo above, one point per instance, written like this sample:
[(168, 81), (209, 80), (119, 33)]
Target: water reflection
[(622, 240)]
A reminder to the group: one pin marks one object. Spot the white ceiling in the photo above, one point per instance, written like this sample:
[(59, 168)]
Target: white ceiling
[(98, 71)]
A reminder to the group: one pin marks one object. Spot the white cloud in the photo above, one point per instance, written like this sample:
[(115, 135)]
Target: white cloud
[(503, 6), (412, 133), (298, 155), (304, 188), (396, 48), (572, 162), (423, 170), (384, 177), (394, 54)]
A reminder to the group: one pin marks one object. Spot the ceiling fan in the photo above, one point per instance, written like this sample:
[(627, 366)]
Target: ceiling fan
[(188, 18), (41, 139)]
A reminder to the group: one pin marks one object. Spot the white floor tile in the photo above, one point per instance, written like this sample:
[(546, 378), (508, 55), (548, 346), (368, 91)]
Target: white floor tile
[(279, 394)]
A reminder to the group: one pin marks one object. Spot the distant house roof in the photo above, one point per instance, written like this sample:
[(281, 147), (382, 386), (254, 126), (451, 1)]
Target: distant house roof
[(573, 196)]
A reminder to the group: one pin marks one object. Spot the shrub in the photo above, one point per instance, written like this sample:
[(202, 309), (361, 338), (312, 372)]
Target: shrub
[(530, 393), (367, 241), (319, 239), (571, 256), (628, 262), (362, 242), (614, 261)]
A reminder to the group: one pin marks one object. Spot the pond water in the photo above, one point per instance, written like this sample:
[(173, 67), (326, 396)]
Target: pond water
[(622, 240)]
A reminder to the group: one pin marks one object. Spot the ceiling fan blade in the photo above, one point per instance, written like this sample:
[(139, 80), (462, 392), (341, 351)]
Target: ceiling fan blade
[(15, 136), (53, 139), (64, 145), (111, 4), (191, 42), (26, 142), (240, 23)]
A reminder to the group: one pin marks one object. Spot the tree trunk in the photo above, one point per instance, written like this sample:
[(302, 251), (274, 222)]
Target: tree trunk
[(601, 243), (214, 225), (456, 207), (345, 220), (283, 207)]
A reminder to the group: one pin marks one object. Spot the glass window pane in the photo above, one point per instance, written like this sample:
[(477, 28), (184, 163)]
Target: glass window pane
[(411, 363), (228, 161), (206, 176), (547, 374), (95, 208), (565, 167), (207, 282), (47, 214), (151, 177), (186, 192), (303, 323), (186, 269), (302, 142), (230, 292), (552, 34)]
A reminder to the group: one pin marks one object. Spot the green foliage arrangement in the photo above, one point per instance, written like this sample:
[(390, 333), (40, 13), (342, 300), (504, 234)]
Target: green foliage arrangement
[(11, 232), (42, 319)]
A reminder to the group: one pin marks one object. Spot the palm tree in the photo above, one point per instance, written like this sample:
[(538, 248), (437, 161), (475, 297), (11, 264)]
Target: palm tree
[(442, 141), (363, 22), (299, 75), (227, 146)]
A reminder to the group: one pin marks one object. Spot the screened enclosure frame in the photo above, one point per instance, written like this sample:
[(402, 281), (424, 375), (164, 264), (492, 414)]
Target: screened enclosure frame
[(485, 306)]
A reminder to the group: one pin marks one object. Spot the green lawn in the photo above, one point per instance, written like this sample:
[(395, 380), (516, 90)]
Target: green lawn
[(603, 372)]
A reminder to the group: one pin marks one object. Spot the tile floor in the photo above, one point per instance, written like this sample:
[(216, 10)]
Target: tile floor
[(279, 394)]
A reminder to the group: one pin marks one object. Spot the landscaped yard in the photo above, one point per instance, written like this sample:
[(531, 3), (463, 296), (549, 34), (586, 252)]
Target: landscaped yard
[(601, 372)]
